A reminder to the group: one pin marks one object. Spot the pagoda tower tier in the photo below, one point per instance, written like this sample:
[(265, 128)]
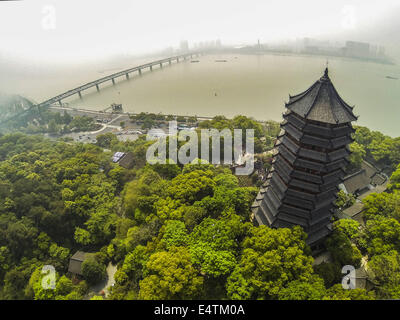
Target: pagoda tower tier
[(308, 164)]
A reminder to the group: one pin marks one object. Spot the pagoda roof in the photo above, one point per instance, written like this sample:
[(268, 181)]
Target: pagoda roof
[(322, 103)]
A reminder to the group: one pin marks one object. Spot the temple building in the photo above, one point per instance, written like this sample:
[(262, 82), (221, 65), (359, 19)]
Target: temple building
[(310, 154)]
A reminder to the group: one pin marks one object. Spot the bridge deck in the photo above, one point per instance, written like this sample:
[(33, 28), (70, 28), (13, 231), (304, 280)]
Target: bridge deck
[(91, 84)]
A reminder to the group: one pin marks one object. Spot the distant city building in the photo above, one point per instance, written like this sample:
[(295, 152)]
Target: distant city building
[(168, 51), (381, 52), (351, 49), (357, 49), (209, 44), (184, 46), (308, 163)]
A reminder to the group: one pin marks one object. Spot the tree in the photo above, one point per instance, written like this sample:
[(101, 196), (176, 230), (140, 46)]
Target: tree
[(395, 180), (357, 156), (106, 140), (175, 234), (342, 250), (138, 236), (244, 123), (386, 152), (213, 245), (331, 273), (133, 265), (53, 126), (337, 292), (64, 286), (192, 186), (5, 260), (67, 117), (82, 236), (227, 180), (350, 227), (15, 281), (141, 195), (167, 171), (93, 271), (303, 290), (345, 200), (385, 269), (383, 235), (270, 260), (382, 204), (170, 275), (193, 215)]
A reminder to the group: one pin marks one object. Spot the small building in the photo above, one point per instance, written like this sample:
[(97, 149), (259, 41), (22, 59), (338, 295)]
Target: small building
[(363, 180), (354, 212), (124, 159), (357, 183), (75, 262)]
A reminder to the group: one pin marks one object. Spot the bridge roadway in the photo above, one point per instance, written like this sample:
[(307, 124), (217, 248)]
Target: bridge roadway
[(112, 77)]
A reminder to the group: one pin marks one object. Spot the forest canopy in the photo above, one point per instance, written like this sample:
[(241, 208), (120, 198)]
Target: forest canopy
[(173, 231)]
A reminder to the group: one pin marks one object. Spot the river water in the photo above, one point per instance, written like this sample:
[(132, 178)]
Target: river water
[(252, 85)]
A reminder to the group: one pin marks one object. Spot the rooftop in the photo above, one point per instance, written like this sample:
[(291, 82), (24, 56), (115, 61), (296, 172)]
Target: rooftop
[(79, 256), (75, 262), (322, 103)]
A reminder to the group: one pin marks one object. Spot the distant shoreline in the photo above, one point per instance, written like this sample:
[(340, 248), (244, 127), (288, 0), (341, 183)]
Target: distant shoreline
[(302, 54)]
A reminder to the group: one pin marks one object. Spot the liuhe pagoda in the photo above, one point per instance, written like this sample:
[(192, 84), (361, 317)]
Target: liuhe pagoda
[(309, 158)]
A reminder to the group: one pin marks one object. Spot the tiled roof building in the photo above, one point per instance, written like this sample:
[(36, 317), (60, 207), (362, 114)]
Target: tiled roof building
[(75, 262), (310, 154)]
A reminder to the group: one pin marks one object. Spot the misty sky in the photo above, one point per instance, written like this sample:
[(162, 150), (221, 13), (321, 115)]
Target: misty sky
[(72, 29)]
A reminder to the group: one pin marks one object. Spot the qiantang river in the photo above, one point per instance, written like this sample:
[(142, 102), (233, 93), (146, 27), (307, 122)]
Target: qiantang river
[(252, 85)]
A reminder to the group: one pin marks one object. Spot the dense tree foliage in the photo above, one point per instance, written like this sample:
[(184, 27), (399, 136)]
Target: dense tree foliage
[(176, 231), (383, 150), (270, 260)]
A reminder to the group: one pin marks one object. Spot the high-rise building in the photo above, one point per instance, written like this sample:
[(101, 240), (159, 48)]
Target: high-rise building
[(308, 164), (184, 46), (357, 49)]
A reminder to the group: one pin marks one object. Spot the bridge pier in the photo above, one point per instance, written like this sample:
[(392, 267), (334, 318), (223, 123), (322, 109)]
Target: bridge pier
[(177, 59), (60, 103), (169, 61), (113, 80), (151, 68), (80, 94), (127, 76), (140, 72), (97, 87), (160, 64)]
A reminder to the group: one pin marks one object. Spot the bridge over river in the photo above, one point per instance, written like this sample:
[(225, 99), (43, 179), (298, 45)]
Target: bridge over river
[(112, 77), (96, 83)]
